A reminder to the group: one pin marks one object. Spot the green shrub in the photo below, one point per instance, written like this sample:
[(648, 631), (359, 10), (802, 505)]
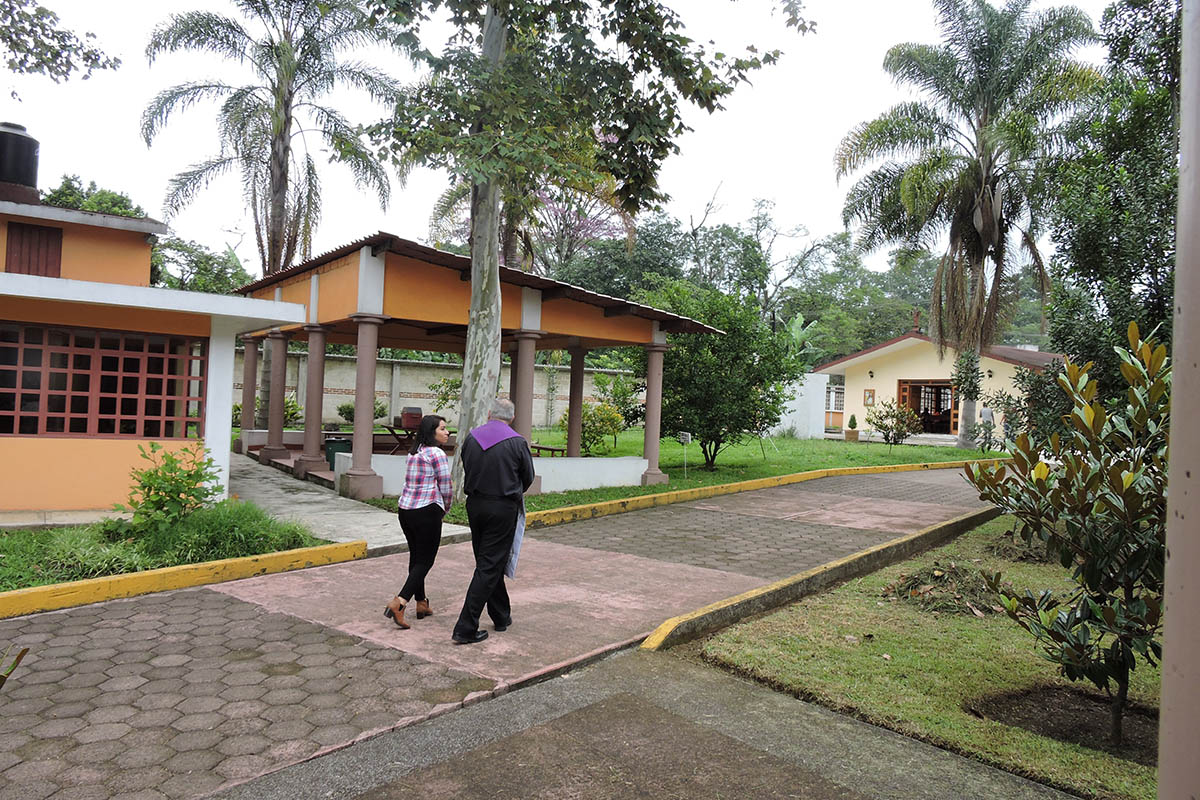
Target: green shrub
[(1097, 499), (895, 423), (598, 421), (853, 423), (173, 486), (346, 411), (621, 392)]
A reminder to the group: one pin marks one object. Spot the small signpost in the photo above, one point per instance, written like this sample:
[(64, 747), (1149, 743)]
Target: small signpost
[(685, 439)]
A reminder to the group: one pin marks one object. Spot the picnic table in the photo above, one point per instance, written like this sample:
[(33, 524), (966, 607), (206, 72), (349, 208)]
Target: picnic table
[(403, 436), (548, 450)]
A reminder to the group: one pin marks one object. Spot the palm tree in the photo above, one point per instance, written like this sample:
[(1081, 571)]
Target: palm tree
[(966, 161), (295, 64)]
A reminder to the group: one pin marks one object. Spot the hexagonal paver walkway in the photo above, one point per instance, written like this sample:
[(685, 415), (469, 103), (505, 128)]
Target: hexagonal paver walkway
[(181, 693)]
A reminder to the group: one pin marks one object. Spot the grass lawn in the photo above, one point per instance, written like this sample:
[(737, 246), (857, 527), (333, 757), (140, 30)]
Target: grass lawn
[(904, 668), (751, 459), (229, 529)]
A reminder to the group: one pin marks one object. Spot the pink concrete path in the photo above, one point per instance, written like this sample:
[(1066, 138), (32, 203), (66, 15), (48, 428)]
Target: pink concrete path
[(567, 601)]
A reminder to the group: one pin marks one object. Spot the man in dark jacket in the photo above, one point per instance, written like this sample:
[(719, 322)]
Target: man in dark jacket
[(497, 469)]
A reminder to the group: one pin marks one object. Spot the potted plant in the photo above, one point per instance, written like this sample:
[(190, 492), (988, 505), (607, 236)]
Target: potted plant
[(852, 429)]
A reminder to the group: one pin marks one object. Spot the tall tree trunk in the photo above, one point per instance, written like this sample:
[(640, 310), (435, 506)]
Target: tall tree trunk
[(1117, 709), (966, 418), (276, 223), (481, 361)]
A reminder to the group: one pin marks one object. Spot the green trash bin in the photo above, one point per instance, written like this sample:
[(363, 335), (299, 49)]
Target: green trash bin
[(335, 446)]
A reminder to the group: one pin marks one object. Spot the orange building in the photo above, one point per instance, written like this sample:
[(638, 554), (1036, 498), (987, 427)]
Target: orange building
[(93, 360)]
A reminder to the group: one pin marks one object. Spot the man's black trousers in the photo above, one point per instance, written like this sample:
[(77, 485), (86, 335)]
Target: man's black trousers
[(493, 525)]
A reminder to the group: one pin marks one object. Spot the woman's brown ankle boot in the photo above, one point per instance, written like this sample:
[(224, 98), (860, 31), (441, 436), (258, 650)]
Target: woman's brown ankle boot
[(395, 612)]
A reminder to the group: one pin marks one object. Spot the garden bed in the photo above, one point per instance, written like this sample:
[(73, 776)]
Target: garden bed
[(229, 529), (967, 682)]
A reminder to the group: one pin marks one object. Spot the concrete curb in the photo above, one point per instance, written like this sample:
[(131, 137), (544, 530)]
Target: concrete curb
[(561, 516), (111, 587), (765, 598)]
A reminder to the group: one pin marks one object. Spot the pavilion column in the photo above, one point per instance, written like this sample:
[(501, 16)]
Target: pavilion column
[(654, 377), (526, 348), (275, 449), (314, 396), (360, 481), (249, 389), (575, 403), (1179, 720), (512, 375)]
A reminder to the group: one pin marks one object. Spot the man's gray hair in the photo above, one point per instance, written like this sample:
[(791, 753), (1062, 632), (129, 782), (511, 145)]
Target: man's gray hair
[(502, 410)]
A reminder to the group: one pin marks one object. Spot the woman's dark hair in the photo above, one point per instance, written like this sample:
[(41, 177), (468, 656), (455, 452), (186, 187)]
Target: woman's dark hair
[(425, 431)]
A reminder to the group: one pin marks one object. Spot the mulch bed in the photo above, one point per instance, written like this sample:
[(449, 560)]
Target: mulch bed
[(1075, 715)]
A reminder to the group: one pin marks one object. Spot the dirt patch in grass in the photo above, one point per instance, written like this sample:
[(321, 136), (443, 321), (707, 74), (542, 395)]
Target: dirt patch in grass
[(1071, 714)]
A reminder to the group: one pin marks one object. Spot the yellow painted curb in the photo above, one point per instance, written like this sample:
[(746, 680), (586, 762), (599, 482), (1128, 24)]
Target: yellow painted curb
[(111, 587), (560, 516), (732, 609)]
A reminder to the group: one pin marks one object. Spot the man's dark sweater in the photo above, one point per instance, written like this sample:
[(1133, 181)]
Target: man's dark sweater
[(504, 470)]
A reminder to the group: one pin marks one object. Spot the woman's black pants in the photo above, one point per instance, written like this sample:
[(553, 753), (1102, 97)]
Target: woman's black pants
[(423, 529)]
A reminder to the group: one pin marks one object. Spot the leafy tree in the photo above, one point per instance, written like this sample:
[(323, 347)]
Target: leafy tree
[(744, 259), (1115, 194), (723, 388), (612, 267), (180, 264), (1044, 408), (294, 60), (32, 43), (966, 377), (71, 193), (847, 301), (548, 92), (966, 159), (1102, 510)]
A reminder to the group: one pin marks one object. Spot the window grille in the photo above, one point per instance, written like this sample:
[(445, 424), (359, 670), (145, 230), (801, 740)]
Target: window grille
[(58, 381), (835, 398)]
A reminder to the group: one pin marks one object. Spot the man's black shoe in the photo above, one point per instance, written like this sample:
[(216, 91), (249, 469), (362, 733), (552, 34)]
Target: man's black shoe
[(501, 627), (469, 638)]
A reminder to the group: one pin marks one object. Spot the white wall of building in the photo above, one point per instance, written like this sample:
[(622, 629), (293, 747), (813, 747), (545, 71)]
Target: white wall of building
[(805, 413), (557, 474)]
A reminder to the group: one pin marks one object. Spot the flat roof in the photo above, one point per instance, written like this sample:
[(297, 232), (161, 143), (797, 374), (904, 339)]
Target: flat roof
[(92, 218), (244, 313), (391, 243)]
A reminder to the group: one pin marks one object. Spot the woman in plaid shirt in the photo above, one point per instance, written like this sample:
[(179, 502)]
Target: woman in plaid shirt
[(425, 500)]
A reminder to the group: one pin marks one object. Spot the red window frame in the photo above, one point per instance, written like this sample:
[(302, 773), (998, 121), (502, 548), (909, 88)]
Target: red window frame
[(76, 382)]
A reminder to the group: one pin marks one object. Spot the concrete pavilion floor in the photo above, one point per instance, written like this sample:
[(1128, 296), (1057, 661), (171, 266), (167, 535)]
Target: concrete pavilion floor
[(233, 687)]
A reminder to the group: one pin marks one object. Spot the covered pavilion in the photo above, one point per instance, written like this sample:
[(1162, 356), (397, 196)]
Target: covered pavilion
[(385, 291)]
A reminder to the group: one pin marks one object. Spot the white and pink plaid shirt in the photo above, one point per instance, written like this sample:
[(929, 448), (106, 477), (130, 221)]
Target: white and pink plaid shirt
[(427, 479)]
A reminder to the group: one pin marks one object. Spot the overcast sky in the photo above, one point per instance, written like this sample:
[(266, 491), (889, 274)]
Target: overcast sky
[(774, 140)]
